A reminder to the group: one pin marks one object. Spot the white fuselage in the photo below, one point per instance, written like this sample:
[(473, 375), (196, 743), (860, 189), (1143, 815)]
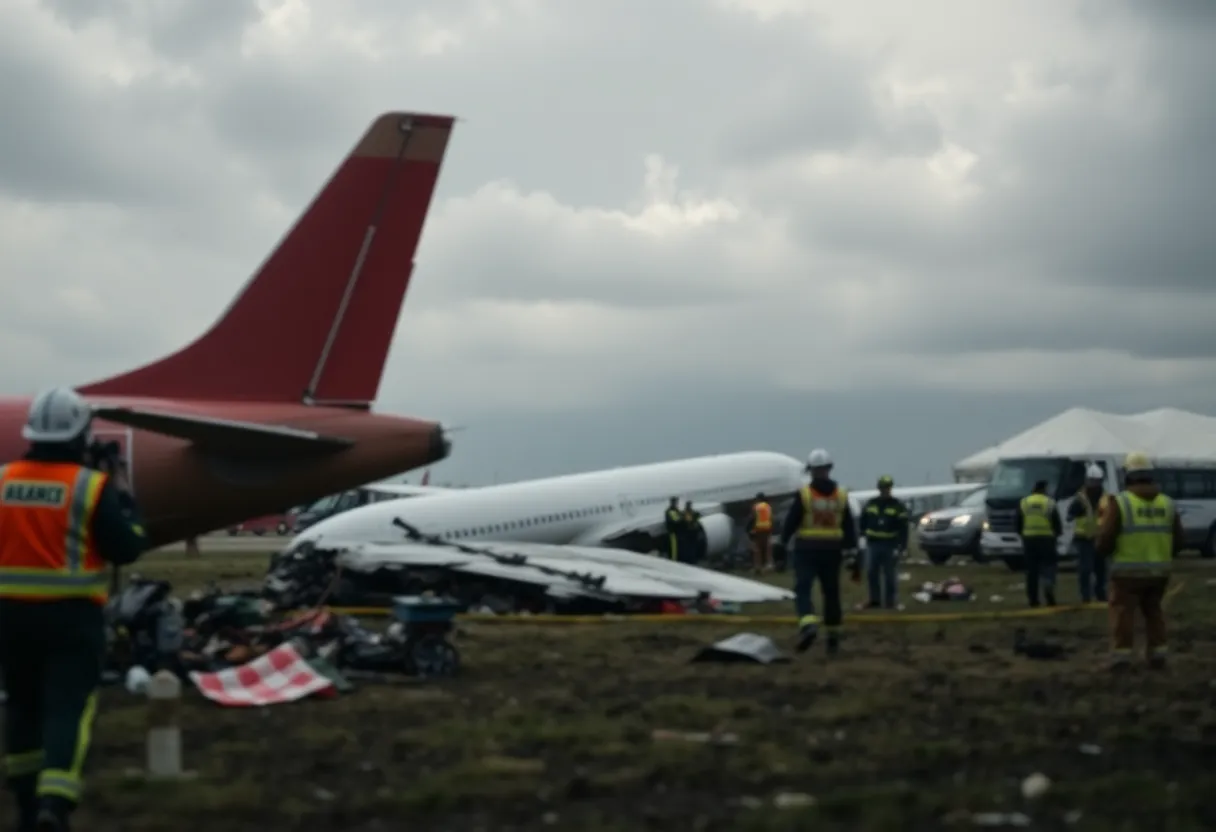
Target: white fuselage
[(571, 508)]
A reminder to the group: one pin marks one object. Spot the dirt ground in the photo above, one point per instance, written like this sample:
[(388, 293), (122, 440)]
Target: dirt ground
[(915, 726)]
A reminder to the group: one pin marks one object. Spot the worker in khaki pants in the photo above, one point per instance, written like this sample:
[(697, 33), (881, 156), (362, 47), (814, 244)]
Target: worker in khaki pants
[(761, 529), (1140, 533)]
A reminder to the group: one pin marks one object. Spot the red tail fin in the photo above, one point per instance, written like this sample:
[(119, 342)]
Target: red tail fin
[(316, 320)]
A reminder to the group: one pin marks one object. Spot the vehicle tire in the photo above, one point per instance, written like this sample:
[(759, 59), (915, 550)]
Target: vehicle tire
[(977, 552), (1016, 563), (281, 529), (939, 558), (1209, 545), (259, 532)]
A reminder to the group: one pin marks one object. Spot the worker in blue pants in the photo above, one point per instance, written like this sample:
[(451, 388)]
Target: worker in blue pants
[(884, 525)]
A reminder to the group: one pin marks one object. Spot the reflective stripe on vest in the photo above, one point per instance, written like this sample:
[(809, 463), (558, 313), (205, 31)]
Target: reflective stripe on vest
[(764, 518), (1145, 544), (1087, 524), (894, 512), (1036, 516), (823, 515), (46, 514)]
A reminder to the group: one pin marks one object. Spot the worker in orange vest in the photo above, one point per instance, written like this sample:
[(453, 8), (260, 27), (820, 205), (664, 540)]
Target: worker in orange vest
[(60, 524), (761, 527), (821, 520)]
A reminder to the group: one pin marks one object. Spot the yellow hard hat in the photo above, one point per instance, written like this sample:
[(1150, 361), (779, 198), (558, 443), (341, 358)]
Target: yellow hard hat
[(1137, 461)]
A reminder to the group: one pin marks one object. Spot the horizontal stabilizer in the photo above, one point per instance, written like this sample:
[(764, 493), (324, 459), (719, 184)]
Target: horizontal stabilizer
[(226, 436)]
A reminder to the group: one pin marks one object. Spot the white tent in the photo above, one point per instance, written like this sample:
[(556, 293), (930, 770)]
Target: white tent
[(1165, 434)]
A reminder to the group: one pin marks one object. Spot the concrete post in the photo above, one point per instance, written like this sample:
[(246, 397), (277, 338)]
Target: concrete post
[(164, 733)]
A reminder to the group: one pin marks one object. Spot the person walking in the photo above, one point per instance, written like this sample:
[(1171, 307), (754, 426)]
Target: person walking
[(60, 524), (822, 524)]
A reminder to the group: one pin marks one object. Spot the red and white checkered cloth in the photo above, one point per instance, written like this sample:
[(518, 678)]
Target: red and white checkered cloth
[(282, 675)]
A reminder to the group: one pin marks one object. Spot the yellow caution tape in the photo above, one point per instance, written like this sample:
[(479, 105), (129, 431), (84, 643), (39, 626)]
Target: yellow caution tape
[(1171, 592), (721, 618)]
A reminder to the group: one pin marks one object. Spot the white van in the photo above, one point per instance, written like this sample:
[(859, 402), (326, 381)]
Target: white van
[(1194, 490), (1193, 487)]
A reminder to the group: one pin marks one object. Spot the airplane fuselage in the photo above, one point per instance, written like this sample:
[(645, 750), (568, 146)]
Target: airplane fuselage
[(569, 509), (184, 490)]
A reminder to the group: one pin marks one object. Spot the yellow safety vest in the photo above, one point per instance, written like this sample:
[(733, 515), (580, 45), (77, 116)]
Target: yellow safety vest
[(674, 515), (823, 515), (1087, 524), (1036, 516), (1145, 545)]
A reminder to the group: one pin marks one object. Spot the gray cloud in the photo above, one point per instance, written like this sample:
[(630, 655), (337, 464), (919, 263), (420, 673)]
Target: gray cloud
[(963, 218)]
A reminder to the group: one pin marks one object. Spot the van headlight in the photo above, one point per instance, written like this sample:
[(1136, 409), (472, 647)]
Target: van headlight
[(985, 527), (961, 520), (924, 520)]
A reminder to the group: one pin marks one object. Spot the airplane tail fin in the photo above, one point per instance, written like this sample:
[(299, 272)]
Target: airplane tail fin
[(315, 322)]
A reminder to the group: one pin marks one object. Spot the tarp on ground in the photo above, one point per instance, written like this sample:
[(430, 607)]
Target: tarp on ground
[(1165, 434)]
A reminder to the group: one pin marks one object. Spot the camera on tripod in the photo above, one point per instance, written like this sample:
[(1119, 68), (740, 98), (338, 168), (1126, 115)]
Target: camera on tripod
[(105, 456)]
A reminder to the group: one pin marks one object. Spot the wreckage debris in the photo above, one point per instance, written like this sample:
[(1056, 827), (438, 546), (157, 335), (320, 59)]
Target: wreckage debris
[(231, 644)]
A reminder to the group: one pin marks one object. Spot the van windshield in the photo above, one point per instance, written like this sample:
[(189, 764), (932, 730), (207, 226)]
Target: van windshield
[(1013, 479)]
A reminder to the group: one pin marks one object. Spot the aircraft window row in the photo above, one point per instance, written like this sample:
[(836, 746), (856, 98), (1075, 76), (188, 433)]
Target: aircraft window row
[(529, 523), (558, 517)]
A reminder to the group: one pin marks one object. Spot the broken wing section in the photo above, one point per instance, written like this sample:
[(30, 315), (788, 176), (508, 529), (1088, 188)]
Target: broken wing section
[(561, 578), (226, 436), (571, 578)]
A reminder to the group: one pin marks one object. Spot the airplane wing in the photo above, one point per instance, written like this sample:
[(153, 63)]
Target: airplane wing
[(914, 492), (918, 498), (407, 490), (561, 580), (247, 439), (650, 523), (566, 571)]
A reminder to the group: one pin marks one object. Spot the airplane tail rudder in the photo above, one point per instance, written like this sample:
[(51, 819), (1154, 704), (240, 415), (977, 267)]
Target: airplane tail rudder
[(316, 320)]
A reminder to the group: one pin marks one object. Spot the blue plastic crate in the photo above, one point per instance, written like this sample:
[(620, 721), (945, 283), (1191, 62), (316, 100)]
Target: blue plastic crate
[(415, 609)]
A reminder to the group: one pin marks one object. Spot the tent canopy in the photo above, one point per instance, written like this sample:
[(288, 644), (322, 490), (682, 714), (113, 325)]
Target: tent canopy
[(1163, 434)]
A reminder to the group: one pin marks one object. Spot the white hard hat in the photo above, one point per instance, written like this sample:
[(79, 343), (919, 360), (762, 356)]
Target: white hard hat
[(57, 415), (1094, 472), (818, 458)]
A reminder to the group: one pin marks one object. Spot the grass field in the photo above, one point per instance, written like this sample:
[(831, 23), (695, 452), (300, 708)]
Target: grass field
[(915, 726)]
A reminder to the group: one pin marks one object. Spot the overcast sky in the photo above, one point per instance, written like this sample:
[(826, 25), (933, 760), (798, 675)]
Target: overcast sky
[(897, 230)]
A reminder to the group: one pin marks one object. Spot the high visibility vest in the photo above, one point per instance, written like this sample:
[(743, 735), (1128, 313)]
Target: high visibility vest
[(1036, 516), (46, 518), (674, 516), (1145, 545), (1087, 524), (764, 518), (823, 515), (893, 515)]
